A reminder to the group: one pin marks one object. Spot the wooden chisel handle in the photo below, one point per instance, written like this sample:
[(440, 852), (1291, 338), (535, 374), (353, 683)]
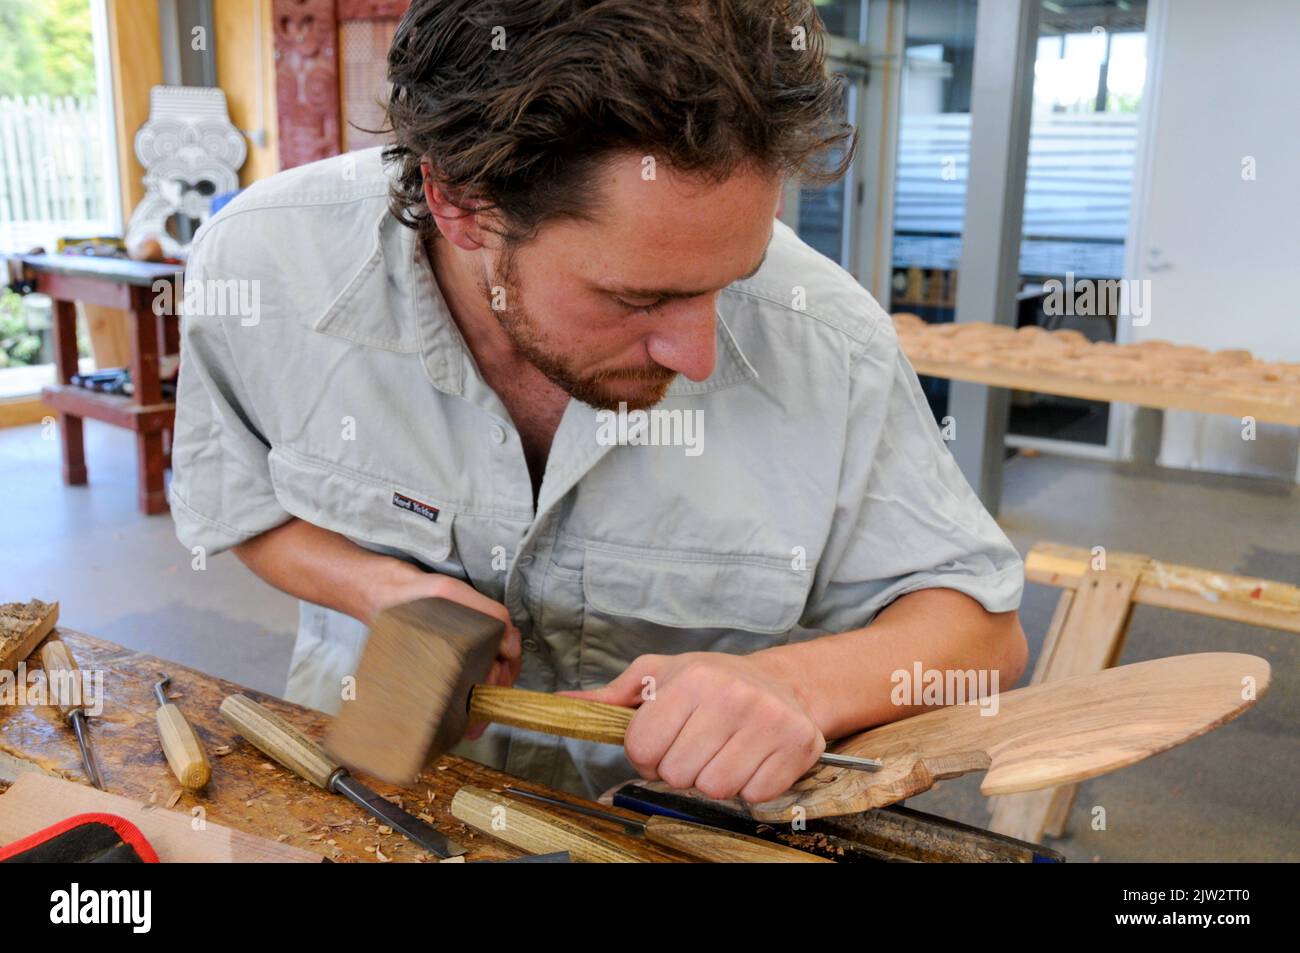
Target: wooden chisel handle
[(188, 761), (550, 714), (723, 847), (279, 740), (55, 658), (537, 832)]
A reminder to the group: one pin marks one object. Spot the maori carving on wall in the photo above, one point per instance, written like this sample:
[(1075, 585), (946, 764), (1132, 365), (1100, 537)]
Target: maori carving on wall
[(306, 80)]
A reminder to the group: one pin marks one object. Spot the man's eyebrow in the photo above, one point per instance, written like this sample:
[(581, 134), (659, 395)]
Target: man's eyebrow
[(671, 294)]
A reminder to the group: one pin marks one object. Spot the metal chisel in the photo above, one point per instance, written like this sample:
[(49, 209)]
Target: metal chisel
[(280, 741), (61, 673)]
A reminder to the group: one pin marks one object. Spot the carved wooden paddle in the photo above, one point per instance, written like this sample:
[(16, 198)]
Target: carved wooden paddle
[(1043, 735)]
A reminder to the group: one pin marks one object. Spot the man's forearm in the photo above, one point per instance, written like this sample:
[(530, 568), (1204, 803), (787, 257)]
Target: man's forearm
[(321, 566), (847, 679)]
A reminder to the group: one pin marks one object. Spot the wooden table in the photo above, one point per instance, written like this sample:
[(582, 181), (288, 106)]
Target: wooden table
[(128, 285), (247, 790)]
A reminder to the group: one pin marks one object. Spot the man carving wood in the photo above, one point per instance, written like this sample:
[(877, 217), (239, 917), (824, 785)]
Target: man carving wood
[(577, 218)]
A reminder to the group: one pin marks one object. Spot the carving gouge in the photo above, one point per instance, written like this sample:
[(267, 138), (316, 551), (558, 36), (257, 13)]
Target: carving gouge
[(696, 840), (279, 740), (179, 742), (63, 676)]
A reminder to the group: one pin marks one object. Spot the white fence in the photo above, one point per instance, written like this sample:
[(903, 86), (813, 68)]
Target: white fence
[(51, 165)]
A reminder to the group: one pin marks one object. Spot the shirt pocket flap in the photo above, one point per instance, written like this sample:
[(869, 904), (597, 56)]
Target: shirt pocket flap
[(361, 507), (695, 593)]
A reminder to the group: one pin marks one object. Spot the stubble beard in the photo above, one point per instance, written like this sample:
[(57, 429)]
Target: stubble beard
[(591, 389)]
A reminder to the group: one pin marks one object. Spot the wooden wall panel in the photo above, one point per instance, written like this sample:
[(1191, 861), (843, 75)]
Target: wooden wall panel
[(240, 26), (135, 51), (306, 80)]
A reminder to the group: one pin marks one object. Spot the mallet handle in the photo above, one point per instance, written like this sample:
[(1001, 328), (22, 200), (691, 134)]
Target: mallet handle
[(551, 714)]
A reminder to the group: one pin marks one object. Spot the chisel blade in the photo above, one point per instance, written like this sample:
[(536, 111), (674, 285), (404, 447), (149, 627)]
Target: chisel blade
[(396, 818), (82, 730)]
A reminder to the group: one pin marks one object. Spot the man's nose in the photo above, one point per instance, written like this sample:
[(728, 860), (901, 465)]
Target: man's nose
[(686, 339)]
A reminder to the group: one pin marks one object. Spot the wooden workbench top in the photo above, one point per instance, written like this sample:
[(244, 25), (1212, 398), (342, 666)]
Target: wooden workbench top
[(247, 791)]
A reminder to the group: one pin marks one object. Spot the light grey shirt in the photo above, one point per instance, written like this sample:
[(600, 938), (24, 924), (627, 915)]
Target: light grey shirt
[(323, 377)]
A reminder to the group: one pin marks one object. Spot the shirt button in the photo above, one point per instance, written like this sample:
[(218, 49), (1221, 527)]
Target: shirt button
[(498, 434), (524, 560)]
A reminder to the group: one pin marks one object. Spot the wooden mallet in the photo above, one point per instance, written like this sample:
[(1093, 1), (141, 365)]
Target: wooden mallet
[(417, 691)]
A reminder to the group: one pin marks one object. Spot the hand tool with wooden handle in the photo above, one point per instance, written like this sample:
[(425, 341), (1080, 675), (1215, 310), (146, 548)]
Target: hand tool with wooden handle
[(533, 830), (279, 740), (64, 682), (1041, 736), (417, 692), (695, 840), (185, 754)]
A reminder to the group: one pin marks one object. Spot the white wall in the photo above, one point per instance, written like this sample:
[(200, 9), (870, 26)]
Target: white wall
[(1222, 252)]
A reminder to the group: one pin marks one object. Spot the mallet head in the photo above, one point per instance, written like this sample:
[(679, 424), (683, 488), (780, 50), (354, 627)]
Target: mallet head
[(411, 704)]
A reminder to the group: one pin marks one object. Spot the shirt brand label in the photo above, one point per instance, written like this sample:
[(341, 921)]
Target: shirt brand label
[(415, 506)]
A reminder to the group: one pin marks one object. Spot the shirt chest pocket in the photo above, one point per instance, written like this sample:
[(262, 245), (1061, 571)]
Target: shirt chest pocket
[(399, 520), (639, 604)]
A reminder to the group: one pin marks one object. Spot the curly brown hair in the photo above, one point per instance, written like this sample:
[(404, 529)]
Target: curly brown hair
[(705, 86)]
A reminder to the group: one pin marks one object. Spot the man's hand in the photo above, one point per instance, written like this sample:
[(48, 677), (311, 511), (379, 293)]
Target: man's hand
[(726, 725)]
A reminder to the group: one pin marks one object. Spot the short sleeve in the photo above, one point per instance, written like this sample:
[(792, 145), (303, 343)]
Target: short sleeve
[(221, 492), (906, 518)]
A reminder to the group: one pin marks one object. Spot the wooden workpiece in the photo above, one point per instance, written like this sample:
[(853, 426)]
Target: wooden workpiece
[(248, 792), (1149, 373), (22, 627), (1041, 736)]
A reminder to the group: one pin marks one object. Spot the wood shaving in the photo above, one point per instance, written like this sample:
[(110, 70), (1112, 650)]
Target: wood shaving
[(379, 856), (453, 860), (385, 829), (176, 796), (222, 750)]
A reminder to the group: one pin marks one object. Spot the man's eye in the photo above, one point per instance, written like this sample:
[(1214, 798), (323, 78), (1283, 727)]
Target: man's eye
[(648, 306)]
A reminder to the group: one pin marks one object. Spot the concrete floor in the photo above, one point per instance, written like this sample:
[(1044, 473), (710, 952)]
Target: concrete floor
[(1231, 795)]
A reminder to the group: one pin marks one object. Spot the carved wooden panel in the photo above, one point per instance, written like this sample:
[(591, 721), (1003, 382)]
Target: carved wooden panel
[(306, 80), (331, 61), (372, 9)]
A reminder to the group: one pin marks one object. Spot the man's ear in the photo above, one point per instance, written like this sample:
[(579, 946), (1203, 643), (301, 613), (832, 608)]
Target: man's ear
[(458, 226)]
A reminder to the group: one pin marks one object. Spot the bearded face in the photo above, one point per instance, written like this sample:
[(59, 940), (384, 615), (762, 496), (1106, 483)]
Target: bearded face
[(639, 387)]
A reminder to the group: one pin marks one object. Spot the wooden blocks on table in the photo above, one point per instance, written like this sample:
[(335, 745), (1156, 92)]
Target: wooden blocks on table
[(22, 627), (1149, 373)]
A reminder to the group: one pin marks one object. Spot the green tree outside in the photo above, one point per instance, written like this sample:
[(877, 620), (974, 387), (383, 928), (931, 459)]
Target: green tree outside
[(47, 48)]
